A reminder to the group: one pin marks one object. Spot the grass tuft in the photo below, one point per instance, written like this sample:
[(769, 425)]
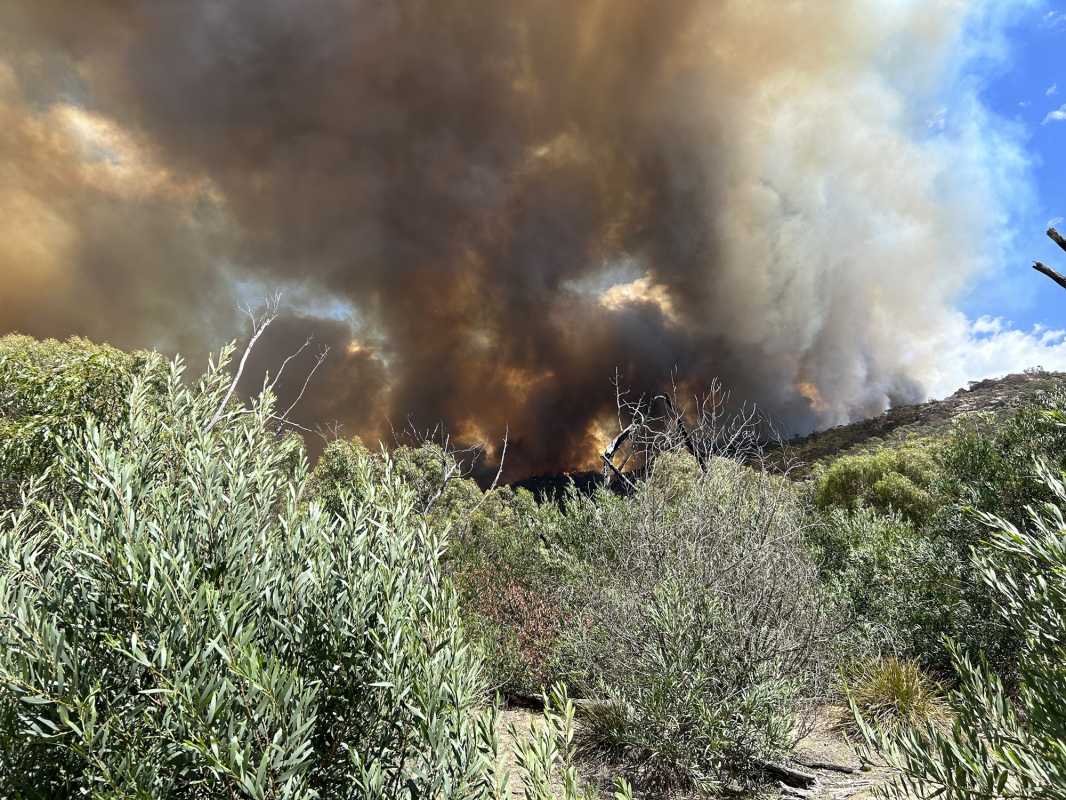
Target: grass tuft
[(894, 693)]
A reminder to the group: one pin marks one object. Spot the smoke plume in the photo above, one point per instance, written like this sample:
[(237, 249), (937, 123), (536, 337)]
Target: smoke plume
[(486, 206)]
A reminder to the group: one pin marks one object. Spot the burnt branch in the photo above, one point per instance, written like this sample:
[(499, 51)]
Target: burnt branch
[(1056, 237), (1046, 270), (707, 426)]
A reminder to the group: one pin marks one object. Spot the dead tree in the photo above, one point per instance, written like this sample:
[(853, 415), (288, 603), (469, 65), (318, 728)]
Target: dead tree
[(1058, 239), (707, 426)]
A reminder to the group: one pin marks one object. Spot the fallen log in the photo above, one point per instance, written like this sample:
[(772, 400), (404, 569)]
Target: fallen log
[(795, 778), (828, 766)]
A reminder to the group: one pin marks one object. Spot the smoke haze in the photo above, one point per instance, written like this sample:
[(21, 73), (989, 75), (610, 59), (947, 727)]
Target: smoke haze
[(486, 206)]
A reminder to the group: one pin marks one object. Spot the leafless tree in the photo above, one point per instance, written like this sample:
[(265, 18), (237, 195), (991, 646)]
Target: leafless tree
[(707, 425)]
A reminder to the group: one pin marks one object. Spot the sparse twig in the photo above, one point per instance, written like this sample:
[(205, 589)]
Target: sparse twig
[(318, 363), (503, 457), (285, 363), (707, 426), (258, 327), (499, 472)]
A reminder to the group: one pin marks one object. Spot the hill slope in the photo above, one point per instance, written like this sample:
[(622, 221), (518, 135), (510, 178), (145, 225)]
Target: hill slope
[(930, 419)]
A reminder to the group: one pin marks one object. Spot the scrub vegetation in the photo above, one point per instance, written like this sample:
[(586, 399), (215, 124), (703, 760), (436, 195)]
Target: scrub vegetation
[(189, 609)]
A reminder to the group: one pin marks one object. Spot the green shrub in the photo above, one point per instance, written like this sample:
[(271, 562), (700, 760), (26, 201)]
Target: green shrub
[(47, 391), (987, 465), (508, 592), (894, 693), (432, 475), (345, 470), (986, 468), (699, 625), (548, 755), (900, 587), (187, 625), (1003, 744), (892, 479), (900, 528)]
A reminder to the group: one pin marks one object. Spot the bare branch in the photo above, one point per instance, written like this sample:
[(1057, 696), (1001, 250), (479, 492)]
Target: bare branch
[(503, 457), (1056, 237), (1046, 270), (707, 426), (258, 326), (329, 431), (318, 363), (285, 363), (296, 425), (450, 465)]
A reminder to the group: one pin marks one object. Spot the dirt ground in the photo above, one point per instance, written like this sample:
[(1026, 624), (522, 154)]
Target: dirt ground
[(824, 753)]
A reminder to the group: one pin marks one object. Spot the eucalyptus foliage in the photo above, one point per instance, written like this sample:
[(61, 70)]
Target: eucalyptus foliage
[(186, 623), (47, 390), (547, 755), (1003, 744)]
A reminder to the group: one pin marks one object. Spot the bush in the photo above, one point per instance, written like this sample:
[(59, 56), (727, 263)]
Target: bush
[(987, 465), (431, 474), (900, 529), (899, 586), (508, 593), (189, 625), (699, 625), (894, 693), (547, 755), (892, 479), (1003, 744), (986, 468), (47, 391)]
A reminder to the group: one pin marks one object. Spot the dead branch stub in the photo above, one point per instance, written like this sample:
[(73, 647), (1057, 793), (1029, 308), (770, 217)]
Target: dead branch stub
[(1044, 269)]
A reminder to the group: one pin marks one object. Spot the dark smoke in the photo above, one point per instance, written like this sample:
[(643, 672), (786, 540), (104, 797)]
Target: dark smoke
[(486, 206)]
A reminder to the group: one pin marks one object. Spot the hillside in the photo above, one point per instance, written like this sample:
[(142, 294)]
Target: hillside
[(993, 396)]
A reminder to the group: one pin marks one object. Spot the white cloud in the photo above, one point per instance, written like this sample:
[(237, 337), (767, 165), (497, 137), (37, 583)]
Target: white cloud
[(1051, 223), (990, 347), (1056, 20), (1052, 90), (1058, 115), (987, 324)]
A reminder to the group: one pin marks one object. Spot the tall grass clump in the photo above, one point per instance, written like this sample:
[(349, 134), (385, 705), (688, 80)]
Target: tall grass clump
[(894, 693), (184, 623)]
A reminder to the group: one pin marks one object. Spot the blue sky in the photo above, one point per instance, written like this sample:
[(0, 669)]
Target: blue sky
[(1024, 87)]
